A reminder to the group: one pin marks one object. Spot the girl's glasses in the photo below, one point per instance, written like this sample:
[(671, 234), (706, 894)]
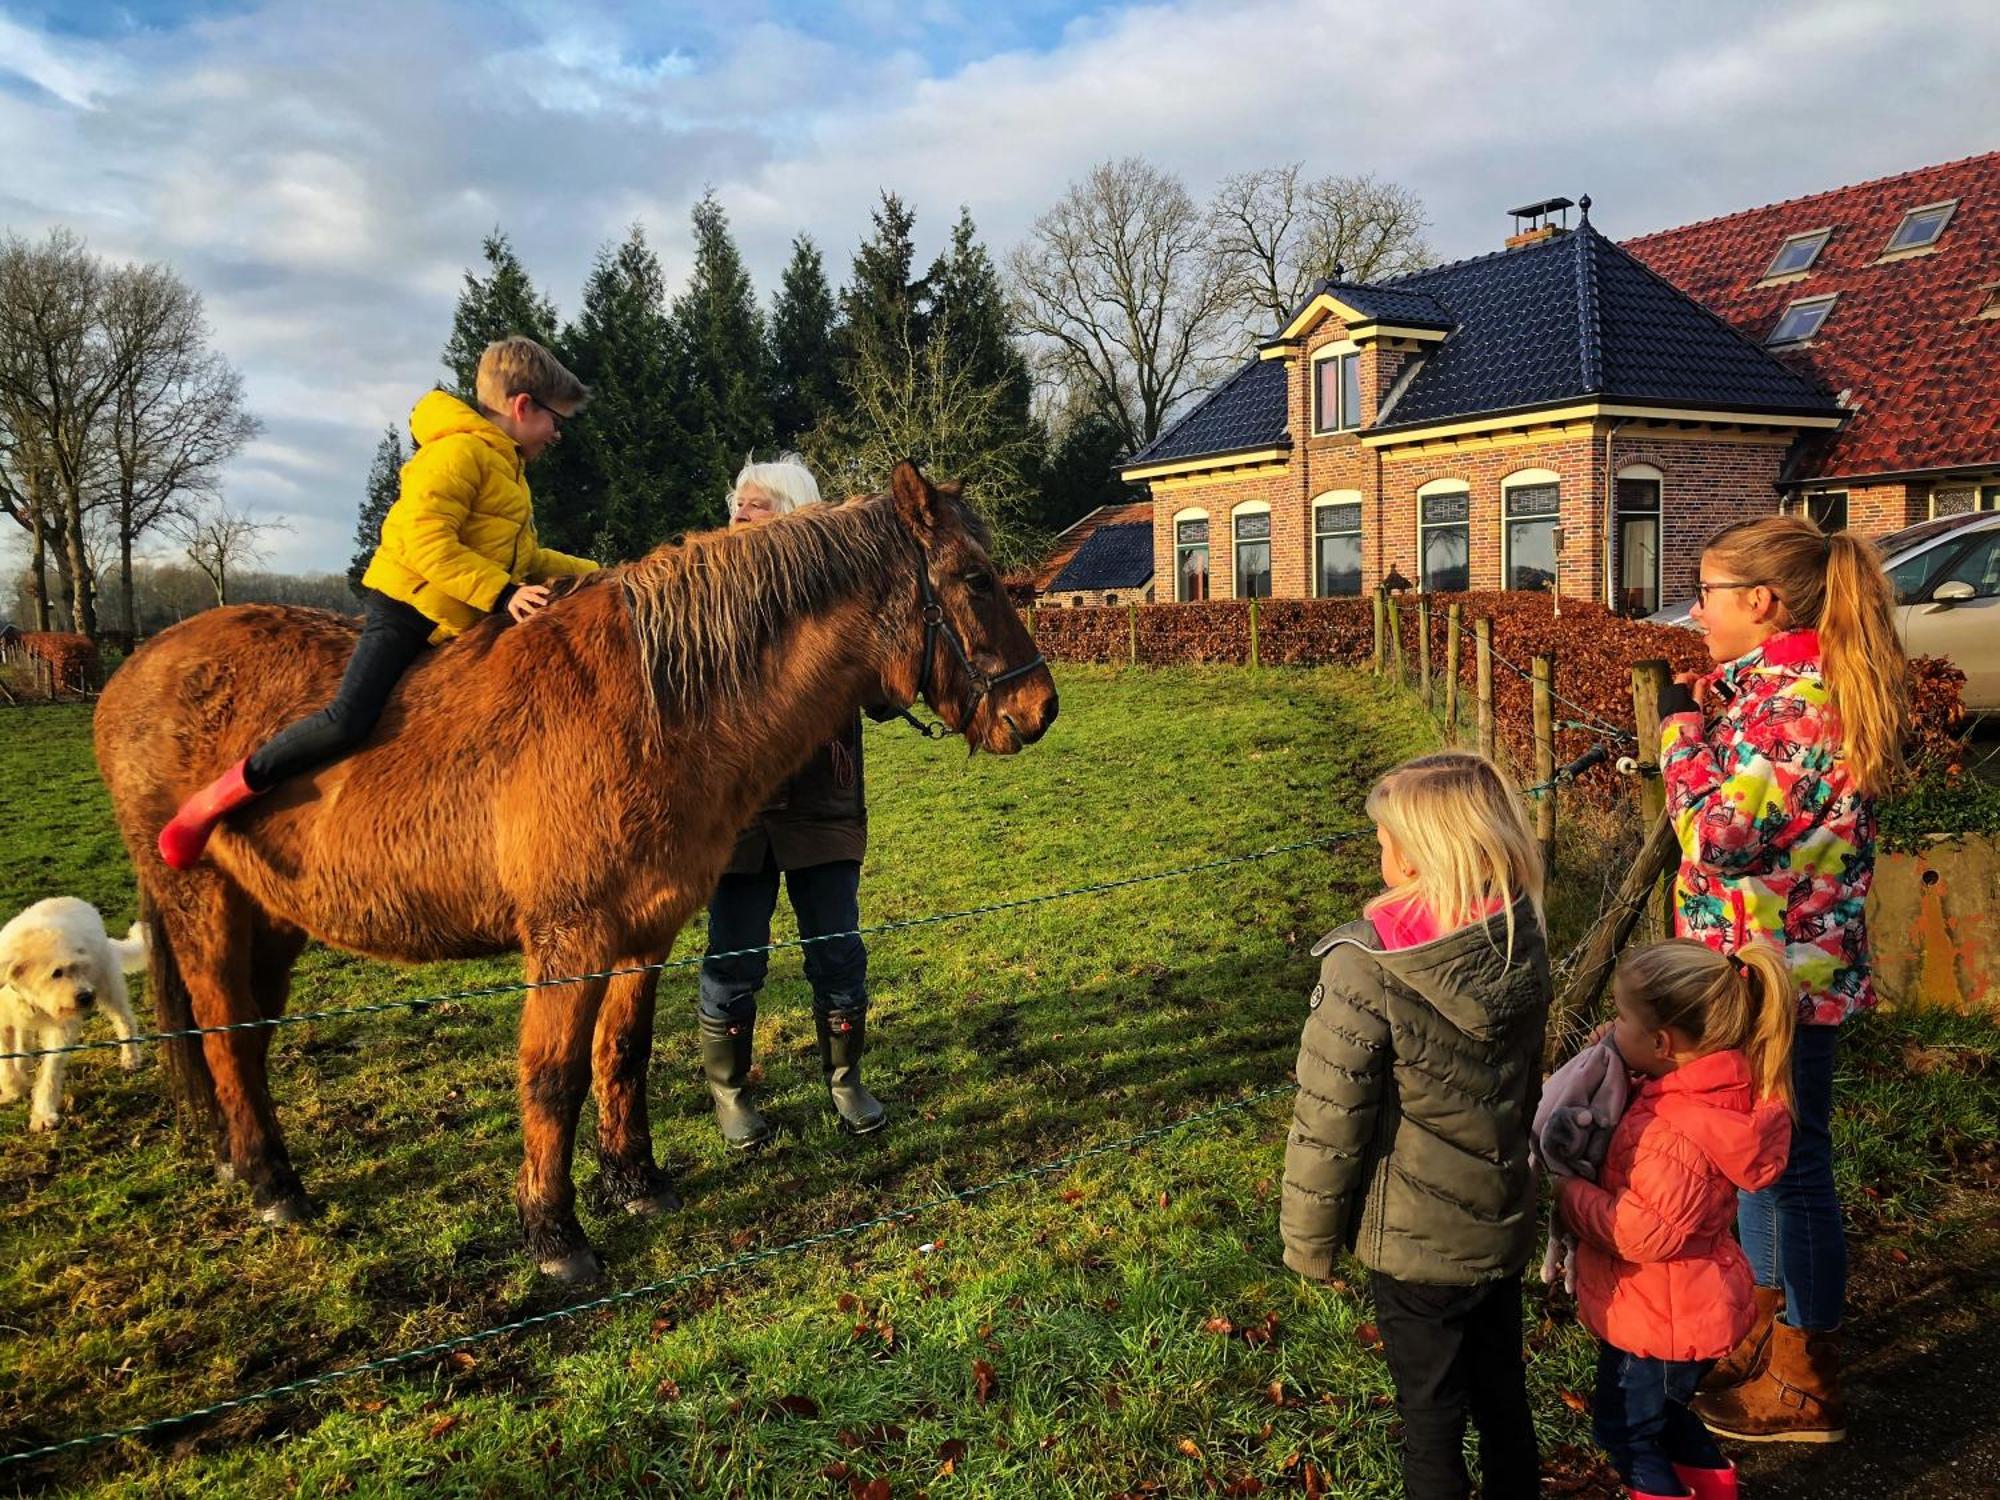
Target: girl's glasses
[(1704, 588)]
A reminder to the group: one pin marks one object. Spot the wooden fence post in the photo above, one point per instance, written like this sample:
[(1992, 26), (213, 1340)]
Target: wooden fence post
[(1253, 633), (1132, 633), (1452, 636), (1544, 672), (1578, 1003), (1031, 619), (1381, 629), (1396, 639), (1482, 631), (1424, 651), (1649, 681)]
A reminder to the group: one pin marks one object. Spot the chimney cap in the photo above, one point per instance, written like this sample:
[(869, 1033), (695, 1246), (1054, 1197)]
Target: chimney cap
[(1537, 210)]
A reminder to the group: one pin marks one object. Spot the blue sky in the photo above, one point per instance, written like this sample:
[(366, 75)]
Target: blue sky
[(324, 173)]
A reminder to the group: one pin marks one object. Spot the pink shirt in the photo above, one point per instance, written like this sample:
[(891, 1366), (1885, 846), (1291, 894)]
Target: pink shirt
[(1405, 922)]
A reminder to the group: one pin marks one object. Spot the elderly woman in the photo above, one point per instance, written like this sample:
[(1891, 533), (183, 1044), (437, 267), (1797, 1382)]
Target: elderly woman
[(814, 832)]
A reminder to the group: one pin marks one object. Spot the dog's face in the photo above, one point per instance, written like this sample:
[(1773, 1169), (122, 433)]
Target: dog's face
[(48, 971)]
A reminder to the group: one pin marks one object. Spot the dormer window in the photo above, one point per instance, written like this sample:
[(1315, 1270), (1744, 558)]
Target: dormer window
[(1920, 227), (1337, 392), (1798, 253), (1801, 320)]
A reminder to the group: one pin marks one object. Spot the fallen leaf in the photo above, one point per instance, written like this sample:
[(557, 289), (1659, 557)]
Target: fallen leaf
[(1256, 1337), (835, 1470), (798, 1406), (1114, 1399), (1164, 1200), (1900, 1256), (874, 1489), (1249, 1484), (1575, 1402), (1263, 1189), (742, 1239), (663, 1324), (1276, 1391), (847, 1302), (1314, 1489), (1368, 1333), (373, 1406), (888, 1332), (1218, 1325), (756, 1074), (1111, 1304), (441, 1426), (1072, 1195), (1265, 1435), (1047, 1442), (1190, 1447), (1290, 1462), (951, 1450), (460, 1360), (984, 1382)]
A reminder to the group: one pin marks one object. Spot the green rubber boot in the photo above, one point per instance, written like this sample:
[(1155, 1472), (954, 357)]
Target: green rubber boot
[(725, 1058), (843, 1037)]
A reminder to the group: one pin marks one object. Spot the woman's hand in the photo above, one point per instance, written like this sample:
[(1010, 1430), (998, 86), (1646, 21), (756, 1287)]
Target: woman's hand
[(1697, 683), (528, 598)]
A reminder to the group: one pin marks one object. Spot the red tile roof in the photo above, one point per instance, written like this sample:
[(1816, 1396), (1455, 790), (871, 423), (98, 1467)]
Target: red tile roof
[(1077, 533), (1905, 341)]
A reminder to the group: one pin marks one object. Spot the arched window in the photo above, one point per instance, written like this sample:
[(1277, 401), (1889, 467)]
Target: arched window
[(1250, 524), (1191, 556), (1531, 512), (1444, 536), (1641, 538), (1337, 544)]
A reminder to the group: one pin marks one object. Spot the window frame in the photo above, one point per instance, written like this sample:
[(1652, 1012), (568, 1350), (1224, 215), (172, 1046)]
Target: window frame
[(1439, 489), (1204, 546), (1243, 512), (1527, 479), (1817, 237), (1985, 497), (1336, 354), (1639, 474), (1946, 208), (1822, 302), (1805, 508), (1338, 500)]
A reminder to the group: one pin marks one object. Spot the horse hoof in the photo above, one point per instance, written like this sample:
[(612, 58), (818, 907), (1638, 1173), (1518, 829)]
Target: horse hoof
[(290, 1210), (649, 1205), (578, 1268)]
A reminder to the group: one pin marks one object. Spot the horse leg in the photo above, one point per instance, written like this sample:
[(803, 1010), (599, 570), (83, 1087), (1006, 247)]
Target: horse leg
[(556, 1027), (619, 1058)]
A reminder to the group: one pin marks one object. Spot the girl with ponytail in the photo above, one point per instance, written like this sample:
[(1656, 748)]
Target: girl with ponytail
[(1773, 762), (1659, 1281)]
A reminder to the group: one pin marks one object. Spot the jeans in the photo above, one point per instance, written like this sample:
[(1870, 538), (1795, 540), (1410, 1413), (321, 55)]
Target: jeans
[(1641, 1418), (393, 635), (1791, 1231), (826, 898), (1455, 1351)]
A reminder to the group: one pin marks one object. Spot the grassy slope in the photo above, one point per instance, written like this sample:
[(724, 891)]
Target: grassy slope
[(141, 1289)]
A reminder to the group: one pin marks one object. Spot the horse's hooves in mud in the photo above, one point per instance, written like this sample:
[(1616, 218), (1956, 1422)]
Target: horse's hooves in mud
[(578, 1268), (293, 1209), (650, 1205)]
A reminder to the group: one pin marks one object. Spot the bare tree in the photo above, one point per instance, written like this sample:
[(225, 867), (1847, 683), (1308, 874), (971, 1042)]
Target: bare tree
[(1117, 286), (1278, 235), (176, 414), (222, 542)]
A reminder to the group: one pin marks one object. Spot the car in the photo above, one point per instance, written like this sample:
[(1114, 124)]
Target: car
[(1946, 574)]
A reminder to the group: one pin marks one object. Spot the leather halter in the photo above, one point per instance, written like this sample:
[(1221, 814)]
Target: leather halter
[(979, 683)]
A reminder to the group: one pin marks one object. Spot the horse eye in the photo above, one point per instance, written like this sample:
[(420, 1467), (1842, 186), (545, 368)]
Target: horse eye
[(55, 973), (980, 582)]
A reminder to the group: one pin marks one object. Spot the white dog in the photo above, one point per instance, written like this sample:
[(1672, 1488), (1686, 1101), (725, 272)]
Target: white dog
[(57, 964)]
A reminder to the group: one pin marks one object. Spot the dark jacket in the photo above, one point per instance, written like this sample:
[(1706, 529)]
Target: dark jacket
[(819, 816), (1418, 1075)]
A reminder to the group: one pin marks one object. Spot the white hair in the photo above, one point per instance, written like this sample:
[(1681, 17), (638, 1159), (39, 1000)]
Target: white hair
[(786, 479)]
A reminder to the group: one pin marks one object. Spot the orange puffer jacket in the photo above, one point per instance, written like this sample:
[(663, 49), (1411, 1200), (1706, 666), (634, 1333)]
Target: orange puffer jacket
[(1657, 1272)]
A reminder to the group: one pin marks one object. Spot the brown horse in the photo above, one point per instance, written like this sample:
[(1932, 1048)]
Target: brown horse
[(569, 787)]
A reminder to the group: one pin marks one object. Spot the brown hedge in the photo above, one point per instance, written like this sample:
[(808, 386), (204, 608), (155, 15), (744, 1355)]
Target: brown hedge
[(72, 659)]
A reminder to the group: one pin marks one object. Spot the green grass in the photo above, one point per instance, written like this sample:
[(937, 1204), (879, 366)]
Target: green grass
[(134, 1286)]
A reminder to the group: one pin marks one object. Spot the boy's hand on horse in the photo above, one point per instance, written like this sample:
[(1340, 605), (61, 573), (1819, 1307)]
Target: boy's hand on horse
[(525, 600)]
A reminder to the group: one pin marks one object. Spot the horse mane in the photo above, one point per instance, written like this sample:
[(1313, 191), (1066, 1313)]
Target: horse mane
[(705, 609)]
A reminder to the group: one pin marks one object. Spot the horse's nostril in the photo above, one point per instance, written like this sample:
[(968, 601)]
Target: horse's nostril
[(86, 997)]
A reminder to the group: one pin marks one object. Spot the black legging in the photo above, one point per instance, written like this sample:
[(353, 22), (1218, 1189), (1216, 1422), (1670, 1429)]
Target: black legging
[(393, 635)]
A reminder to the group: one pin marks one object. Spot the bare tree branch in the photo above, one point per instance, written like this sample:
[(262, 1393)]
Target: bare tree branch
[(221, 542)]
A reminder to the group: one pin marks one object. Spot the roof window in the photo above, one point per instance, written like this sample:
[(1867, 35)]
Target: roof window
[(1801, 320), (1798, 253), (1920, 227)]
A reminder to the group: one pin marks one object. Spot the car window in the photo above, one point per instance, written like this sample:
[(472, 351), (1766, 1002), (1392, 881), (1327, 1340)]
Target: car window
[(1978, 565), (1923, 531), (1911, 577)]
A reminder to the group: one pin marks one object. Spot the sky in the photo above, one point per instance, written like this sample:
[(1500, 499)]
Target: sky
[(323, 174)]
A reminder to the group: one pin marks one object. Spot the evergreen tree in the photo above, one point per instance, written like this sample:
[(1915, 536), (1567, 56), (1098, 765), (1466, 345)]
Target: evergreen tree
[(385, 478), (724, 409), (616, 468), (804, 362), (879, 307), (1080, 472), (967, 302), (502, 302)]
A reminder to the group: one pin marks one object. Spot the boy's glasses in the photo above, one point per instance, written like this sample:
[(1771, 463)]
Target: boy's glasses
[(554, 416), (1703, 588)]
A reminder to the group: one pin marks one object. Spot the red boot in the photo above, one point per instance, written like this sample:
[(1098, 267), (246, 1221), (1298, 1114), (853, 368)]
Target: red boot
[(183, 839), (1709, 1484)]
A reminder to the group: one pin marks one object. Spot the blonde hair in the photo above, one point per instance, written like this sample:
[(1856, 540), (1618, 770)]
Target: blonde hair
[(1833, 583), (786, 479), (1746, 1002), (1461, 823), (518, 366)]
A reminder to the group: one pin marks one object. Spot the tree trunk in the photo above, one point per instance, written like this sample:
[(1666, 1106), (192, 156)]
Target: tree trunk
[(127, 623), (83, 607), (38, 567)]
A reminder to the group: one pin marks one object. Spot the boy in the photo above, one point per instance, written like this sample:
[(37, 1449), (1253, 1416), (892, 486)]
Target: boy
[(458, 544)]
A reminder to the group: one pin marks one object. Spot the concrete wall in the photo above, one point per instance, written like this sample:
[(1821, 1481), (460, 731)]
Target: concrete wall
[(1934, 922)]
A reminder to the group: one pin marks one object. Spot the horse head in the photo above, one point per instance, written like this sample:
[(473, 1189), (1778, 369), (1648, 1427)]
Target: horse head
[(967, 655)]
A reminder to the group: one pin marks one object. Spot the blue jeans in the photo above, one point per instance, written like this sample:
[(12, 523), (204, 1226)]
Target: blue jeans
[(826, 898), (1641, 1418), (1791, 1231)]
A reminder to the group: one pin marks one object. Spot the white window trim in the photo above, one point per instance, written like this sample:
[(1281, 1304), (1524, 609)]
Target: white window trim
[(1247, 508), (1522, 479), (1891, 250), (1773, 274), (1443, 487), (1333, 497), (1651, 475), (1980, 490), (1827, 301), (1191, 513), (1335, 350)]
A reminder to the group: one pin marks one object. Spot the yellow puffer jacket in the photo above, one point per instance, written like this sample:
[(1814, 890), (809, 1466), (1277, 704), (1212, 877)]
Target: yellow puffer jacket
[(463, 527)]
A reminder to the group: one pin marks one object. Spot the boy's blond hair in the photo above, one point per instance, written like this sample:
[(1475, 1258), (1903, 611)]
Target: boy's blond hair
[(1461, 823), (518, 366)]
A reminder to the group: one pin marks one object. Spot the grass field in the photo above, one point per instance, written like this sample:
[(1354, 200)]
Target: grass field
[(1123, 1326)]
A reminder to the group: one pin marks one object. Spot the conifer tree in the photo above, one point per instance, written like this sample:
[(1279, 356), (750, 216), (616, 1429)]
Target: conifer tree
[(724, 409), (493, 306), (804, 362), (384, 484), (879, 308)]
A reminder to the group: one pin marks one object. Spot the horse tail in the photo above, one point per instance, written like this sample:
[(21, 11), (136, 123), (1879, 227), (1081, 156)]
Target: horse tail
[(188, 1079)]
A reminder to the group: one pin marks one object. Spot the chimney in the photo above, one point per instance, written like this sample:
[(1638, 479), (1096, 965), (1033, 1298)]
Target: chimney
[(1535, 222)]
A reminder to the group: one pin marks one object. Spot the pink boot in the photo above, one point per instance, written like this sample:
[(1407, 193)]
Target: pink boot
[(1709, 1484), (183, 839)]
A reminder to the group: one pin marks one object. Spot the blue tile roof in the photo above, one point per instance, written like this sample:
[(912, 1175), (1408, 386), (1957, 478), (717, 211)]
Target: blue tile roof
[(1246, 411), (1571, 317), (1111, 557)]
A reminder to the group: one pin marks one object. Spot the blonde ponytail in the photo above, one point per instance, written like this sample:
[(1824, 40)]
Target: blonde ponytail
[(1462, 824), (1745, 1002), (1834, 584)]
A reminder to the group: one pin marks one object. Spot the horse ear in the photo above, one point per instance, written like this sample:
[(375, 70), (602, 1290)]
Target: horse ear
[(916, 501)]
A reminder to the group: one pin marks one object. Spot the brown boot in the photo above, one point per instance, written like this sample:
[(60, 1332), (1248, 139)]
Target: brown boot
[(1746, 1360), (1796, 1399)]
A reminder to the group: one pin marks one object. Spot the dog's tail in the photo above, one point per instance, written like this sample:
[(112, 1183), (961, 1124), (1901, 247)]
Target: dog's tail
[(132, 951), (187, 1072)]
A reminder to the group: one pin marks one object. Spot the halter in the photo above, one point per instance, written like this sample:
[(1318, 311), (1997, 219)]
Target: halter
[(981, 683)]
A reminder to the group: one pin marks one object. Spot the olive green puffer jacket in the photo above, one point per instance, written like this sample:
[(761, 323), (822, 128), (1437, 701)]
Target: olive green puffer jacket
[(1419, 1072)]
